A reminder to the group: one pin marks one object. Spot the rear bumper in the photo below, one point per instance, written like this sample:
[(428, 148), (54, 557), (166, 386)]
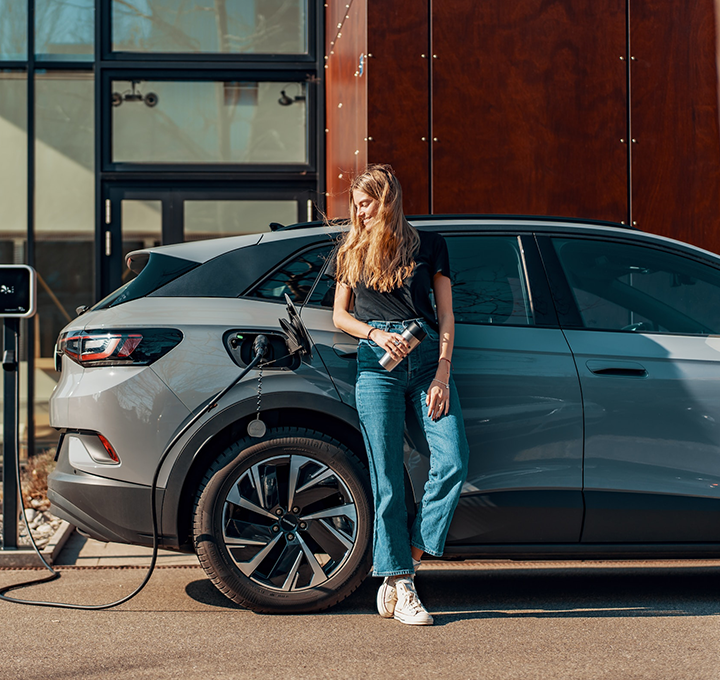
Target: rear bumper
[(106, 509)]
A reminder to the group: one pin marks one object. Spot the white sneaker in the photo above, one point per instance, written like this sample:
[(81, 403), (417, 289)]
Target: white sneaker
[(387, 597), (408, 608), (387, 594)]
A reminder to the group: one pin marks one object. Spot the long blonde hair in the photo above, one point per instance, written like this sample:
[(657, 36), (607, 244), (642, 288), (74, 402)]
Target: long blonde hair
[(382, 256)]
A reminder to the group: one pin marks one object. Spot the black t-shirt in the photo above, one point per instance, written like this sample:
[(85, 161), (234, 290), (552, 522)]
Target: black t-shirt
[(412, 299)]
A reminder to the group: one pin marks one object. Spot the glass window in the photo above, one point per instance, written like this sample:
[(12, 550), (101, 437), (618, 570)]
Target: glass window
[(64, 218), (489, 284), (13, 30), (214, 219), (624, 287), (488, 281), (141, 227), (208, 122), (13, 166), (13, 199), (210, 26), (295, 277), (64, 29)]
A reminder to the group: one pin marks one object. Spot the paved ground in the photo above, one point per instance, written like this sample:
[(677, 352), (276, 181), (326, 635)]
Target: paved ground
[(86, 552), (493, 620)]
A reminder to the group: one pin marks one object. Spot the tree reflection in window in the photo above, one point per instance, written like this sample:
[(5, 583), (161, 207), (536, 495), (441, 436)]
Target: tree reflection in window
[(488, 281), (295, 277)]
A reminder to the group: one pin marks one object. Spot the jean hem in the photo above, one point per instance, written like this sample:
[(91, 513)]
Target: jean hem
[(419, 546), (400, 572)]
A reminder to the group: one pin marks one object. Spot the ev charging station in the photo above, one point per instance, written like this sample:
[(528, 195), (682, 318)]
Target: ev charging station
[(18, 300)]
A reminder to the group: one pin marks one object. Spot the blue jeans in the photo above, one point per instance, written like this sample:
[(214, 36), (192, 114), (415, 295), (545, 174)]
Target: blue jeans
[(381, 399)]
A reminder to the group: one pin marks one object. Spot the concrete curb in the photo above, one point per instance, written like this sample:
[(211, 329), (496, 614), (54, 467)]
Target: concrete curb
[(24, 558)]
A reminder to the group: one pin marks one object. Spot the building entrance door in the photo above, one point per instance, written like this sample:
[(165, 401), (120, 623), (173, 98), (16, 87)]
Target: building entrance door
[(146, 215)]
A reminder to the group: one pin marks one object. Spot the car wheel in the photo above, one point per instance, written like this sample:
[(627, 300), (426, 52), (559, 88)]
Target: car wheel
[(285, 524)]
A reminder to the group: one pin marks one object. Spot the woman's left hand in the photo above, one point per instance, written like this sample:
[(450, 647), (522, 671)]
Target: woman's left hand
[(438, 400)]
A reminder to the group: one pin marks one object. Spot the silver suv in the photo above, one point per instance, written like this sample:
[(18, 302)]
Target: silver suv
[(587, 362)]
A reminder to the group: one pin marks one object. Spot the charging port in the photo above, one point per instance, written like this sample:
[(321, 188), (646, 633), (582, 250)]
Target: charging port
[(239, 344)]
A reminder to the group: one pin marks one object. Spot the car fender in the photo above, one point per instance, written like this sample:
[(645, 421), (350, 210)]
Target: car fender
[(192, 446)]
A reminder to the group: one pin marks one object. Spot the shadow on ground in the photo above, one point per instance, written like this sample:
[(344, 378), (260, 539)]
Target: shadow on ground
[(452, 595)]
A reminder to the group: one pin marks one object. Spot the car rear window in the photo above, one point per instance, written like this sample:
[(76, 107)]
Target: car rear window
[(160, 270)]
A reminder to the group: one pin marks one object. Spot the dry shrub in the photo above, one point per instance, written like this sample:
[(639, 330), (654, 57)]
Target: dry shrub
[(34, 478)]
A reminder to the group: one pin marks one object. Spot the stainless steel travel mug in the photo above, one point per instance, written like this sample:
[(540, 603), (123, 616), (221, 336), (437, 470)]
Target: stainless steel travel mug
[(414, 334)]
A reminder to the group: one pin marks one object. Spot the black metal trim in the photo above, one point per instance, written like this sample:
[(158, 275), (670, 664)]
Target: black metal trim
[(30, 247), (543, 307), (562, 295), (13, 65), (57, 65)]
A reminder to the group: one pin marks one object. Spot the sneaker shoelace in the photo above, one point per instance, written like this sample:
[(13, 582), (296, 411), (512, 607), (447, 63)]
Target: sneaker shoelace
[(413, 601)]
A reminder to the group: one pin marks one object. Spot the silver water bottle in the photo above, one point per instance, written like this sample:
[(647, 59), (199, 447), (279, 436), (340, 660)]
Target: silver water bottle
[(414, 334)]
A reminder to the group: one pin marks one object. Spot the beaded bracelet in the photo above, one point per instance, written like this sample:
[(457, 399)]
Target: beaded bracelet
[(446, 385)]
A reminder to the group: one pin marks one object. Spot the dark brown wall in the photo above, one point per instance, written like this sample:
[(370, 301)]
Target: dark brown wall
[(529, 107), (345, 100), (399, 96), (676, 157), (529, 104)]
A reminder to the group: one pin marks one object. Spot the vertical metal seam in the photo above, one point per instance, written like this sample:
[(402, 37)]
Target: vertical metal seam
[(430, 48), (629, 138)]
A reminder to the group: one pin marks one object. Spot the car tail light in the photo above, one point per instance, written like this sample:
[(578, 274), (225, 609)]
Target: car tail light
[(109, 449), (118, 347)]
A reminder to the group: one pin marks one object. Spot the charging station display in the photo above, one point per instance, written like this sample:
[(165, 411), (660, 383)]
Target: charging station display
[(17, 291)]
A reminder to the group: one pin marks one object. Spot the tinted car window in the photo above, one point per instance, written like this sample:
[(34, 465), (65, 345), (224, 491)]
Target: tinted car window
[(489, 285), (234, 273), (294, 277), (159, 271), (626, 287), (488, 281)]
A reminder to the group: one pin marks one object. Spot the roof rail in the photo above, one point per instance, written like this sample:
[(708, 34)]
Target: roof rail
[(539, 218), (276, 226)]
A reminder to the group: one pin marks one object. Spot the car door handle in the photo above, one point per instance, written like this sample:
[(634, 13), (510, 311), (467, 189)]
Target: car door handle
[(620, 369), (346, 351)]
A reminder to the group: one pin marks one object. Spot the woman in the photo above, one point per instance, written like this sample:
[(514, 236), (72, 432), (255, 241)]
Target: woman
[(389, 270)]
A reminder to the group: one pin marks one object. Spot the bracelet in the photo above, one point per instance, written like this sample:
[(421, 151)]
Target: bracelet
[(372, 328), (444, 359), (446, 385)]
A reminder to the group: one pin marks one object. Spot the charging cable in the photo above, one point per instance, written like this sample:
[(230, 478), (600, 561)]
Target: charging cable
[(260, 346)]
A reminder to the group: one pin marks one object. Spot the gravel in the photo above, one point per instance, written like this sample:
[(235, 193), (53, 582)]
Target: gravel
[(43, 524)]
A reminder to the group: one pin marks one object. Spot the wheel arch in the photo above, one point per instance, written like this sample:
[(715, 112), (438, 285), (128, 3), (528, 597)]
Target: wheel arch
[(323, 414)]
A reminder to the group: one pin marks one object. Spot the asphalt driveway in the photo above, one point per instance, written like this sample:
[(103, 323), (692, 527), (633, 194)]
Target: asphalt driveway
[(493, 620)]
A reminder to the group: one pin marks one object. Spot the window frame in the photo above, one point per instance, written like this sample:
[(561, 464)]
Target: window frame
[(569, 314), (238, 170), (240, 59)]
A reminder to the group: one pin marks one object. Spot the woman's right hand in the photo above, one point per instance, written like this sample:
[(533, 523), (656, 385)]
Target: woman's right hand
[(393, 343)]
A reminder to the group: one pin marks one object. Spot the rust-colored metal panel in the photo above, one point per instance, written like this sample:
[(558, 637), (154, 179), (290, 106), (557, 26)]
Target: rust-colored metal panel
[(529, 107), (676, 157), (398, 95), (346, 105)]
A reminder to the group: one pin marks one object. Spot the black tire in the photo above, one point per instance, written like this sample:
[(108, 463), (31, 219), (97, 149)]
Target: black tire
[(262, 555)]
